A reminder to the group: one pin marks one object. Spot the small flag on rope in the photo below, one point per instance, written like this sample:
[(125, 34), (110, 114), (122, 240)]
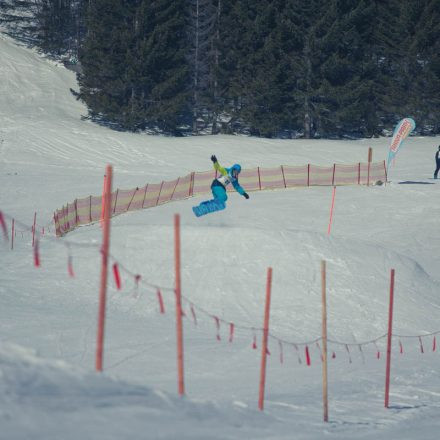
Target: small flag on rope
[(421, 345), (117, 276), (160, 299), (377, 351), (193, 313), (308, 362), (400, 347), (348, 351), (231, 331), (320, 351), (254, 342), (217, 324), (280, 344), (3, 225), (297, 353), (137, 279)]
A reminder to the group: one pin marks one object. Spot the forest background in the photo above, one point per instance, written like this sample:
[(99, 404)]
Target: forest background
[(277, 69)]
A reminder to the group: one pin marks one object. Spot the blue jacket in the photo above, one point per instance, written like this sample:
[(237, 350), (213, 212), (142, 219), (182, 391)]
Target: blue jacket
[(226, 178)]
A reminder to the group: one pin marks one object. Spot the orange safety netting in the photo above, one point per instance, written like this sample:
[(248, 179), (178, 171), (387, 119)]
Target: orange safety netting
[(89, 210)]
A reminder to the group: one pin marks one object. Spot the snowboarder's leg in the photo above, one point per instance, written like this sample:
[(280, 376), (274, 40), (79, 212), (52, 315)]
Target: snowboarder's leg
[(219, 194), (436, 171), (216, 204)]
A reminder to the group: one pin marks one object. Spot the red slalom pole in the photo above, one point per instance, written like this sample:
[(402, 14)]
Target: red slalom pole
[(104, 269), (33, 229), (331, 211), (178, 291), (390, 329), (265, 339)]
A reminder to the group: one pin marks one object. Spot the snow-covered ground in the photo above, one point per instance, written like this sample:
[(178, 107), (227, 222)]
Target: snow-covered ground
[(48, 385)]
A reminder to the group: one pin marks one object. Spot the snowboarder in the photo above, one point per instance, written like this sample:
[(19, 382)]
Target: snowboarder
[(218, 188), (437, 161)]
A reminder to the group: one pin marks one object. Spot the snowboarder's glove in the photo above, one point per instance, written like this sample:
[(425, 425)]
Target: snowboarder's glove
[(246, 195), (213, 158)]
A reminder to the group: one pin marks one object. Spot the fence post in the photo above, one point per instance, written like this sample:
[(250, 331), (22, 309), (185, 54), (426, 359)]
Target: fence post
[(76, 213), (191, 185), (103, 198), (370, 158), (390, 330), (324, 342), (90, 208), (334, 170), (308, 174), (174, 190), (104, 267), (145, 195), (116, 200), (160, 190), (132, 197), (259, 178), (179, 326), (385, 168), (284, 178), (265, 339), (359, 173)]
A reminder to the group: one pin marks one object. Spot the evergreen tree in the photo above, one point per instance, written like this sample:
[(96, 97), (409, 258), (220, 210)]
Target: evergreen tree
[(202, 26), (133, 59)]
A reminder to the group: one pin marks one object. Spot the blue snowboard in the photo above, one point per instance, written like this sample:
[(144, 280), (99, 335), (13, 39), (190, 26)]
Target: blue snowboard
[(207, 207)]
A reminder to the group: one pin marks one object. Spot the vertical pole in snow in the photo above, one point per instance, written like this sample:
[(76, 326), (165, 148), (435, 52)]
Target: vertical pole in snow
[(265, 339), (104, 267), (324, 342), (331, 211), (103, 199), (33, 229), (370, 158), (178, 291), (13, 233), (308, 175), (390, 330)]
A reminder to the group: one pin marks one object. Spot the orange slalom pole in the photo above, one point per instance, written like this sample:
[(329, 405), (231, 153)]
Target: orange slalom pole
[(390, 330), (104, 268), (265, 339), (178, 291)]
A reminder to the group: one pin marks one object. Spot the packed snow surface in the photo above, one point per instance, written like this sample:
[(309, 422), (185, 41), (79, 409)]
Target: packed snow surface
[(49, 388)]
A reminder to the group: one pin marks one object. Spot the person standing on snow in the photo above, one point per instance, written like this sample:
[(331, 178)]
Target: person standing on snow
[(437, 161), (218, 188)]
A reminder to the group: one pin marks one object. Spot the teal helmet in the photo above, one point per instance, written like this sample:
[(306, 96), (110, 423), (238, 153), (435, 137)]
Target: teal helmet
[(235, 170)]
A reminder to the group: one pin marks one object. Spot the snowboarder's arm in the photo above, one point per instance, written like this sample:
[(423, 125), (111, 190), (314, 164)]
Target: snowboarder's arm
[(220, 169), (239, 188)]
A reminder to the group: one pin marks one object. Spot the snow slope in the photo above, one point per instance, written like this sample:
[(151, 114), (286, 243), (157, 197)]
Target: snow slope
[(49, 389)]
